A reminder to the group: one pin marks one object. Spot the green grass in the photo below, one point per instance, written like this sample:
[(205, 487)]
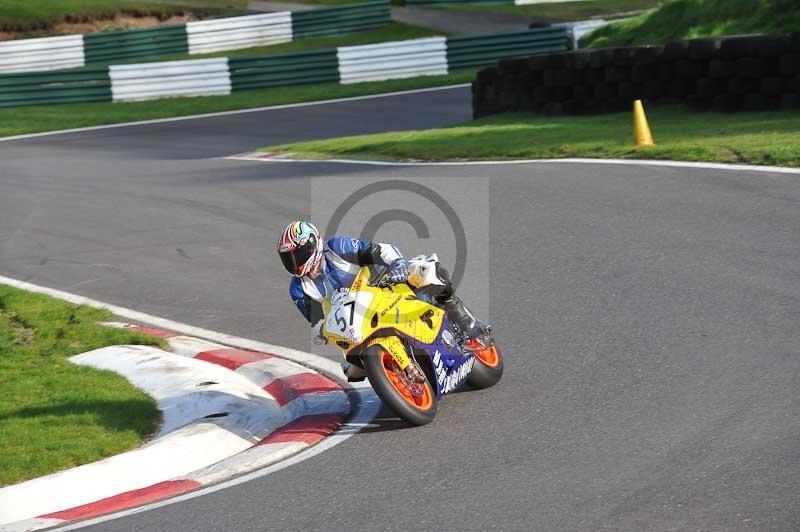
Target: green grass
[(567, 11), (41, 15), (55, 414), (770, 138), (686, 19), (35, 119), (391, 32)]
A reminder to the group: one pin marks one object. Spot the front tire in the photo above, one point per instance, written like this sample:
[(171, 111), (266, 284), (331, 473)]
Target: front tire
[(488, 367), (414, 402)]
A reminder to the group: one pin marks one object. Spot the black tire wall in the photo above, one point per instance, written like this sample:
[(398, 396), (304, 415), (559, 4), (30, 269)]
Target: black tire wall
[(740, 73)]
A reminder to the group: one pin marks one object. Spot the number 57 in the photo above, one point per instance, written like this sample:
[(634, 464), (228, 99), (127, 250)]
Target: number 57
[(340, 320)]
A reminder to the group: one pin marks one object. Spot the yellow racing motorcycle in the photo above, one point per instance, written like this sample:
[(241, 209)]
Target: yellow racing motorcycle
[(411, 353)]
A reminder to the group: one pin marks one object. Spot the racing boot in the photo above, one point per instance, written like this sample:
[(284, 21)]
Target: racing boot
[(473, 331)]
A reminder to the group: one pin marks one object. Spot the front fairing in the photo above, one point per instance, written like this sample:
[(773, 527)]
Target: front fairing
[(356, 315), (359, 312)]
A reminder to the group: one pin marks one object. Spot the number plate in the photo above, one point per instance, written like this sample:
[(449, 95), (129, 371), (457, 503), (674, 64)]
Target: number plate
[(346, 317)]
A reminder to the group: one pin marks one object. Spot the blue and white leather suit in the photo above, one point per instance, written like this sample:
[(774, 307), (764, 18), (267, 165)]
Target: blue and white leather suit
[(344, 257)]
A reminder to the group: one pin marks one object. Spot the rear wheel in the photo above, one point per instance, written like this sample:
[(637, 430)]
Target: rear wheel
[(413, 401), (488, 367)]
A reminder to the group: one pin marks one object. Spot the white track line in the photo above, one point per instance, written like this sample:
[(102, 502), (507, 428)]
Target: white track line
[(366, 403), (234, 112), (629, 162)]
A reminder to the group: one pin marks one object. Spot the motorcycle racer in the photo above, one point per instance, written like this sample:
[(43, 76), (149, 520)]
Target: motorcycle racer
[(318, 268)]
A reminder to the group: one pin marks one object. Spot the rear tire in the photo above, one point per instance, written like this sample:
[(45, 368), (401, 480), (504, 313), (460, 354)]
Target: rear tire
[(389, 383), (488, 368)]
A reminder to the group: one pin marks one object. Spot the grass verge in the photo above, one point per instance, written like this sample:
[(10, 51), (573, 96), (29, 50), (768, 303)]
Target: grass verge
[(42, 15), (55, 414), (567, 11), (36, 119), (769, 138), (686, 19)]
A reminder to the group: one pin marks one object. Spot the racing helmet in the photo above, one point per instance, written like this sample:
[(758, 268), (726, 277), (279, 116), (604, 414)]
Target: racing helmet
[(300, 248)]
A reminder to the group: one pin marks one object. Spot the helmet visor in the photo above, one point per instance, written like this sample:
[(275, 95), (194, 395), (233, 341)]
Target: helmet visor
[(295, 259)]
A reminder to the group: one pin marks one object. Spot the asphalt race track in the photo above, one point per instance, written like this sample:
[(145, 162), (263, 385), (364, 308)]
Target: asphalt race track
[(649, 316)]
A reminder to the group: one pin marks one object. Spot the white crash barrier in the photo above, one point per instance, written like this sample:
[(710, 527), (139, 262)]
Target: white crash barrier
[(580, 28), (199, 77), (50, 53), (239, 32), (393, 60)]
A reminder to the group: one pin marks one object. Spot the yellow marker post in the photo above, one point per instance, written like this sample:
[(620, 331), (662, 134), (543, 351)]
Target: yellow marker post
[(641, 129)]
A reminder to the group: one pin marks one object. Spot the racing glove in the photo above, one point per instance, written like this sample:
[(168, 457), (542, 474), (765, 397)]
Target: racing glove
[(398, 272)]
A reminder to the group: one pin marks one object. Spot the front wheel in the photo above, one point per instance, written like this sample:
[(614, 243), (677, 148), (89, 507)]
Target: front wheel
[(488, 367), (415, 402)]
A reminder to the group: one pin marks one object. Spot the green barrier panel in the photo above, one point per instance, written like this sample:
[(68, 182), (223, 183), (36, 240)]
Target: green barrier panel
[(487, 59), (478, 50), (52, 76), (280, 70), (312, 28), (460, 42), (89, 84), (327, 29), (116, 46), (494, 52), (342, 19)]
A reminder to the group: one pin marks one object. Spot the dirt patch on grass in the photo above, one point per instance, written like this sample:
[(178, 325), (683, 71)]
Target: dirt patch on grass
[(121, 22), (104, 21), (22, 334)]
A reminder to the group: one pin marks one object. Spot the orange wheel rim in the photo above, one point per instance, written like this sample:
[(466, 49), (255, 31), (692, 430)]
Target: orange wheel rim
[(488, 356), (417, 394)]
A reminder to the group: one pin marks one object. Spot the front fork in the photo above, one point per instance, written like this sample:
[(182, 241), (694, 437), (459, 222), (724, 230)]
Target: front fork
[(395, 347)]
